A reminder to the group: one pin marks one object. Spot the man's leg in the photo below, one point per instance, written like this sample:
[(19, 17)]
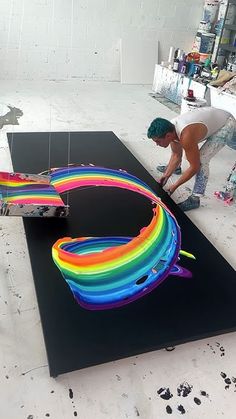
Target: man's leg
[(209, 149), (229, 193)]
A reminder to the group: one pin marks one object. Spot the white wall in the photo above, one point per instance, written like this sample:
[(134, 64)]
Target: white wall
[(63, 39)]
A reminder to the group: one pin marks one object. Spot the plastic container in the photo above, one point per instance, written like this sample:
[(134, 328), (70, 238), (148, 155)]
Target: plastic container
[(207, 43), (222, 10), (197, 42), (211, 9), (222, 100), (204, 26), (187, 105)]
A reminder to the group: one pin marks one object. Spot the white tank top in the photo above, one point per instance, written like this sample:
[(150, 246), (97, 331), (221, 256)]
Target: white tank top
[(212, 118)]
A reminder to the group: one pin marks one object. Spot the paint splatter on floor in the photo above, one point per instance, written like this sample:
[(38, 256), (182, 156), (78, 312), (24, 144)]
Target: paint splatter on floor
[(169, 410), (217, 349), (71, 395), (197, 401), (182, 391), (165, 393), (166, 102), (181, 409), (136, 411), (204, 394), (11, 117), (228, 381)]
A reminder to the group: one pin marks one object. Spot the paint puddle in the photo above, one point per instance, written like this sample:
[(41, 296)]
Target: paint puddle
[(11, 117)]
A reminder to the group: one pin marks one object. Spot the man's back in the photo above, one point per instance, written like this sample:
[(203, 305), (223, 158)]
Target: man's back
[(213, 118)]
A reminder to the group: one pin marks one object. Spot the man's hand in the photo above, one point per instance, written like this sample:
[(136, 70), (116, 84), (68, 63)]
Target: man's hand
[(171, 189), (162, 181)]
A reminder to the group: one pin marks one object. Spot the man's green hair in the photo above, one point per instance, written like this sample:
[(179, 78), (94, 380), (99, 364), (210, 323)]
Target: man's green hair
[(159, 128)]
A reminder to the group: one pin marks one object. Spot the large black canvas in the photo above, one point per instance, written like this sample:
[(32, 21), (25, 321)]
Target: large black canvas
[(179, 310)]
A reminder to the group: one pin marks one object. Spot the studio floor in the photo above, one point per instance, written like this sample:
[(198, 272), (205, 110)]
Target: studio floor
[(194, 380)]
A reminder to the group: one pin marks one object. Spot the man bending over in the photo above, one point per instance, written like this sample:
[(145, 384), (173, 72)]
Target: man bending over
[(184, 133)]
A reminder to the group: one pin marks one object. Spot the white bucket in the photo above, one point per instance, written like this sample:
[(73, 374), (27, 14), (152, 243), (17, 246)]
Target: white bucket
[(187, 105)]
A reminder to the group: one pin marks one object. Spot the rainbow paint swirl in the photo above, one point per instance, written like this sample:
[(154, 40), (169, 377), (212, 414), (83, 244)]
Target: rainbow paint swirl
[(108, 272)]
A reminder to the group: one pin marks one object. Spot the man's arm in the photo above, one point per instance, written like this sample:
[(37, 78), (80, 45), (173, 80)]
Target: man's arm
[(193, 156), (175, 161)]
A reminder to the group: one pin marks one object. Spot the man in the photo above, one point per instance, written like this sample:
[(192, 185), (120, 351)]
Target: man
[(184, 133)]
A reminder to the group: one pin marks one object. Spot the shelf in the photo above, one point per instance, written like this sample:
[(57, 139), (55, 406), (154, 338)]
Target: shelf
[(230, 27), (227, 47)]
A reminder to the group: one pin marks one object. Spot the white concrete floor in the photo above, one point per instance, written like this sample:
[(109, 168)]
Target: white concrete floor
[(126, 388)]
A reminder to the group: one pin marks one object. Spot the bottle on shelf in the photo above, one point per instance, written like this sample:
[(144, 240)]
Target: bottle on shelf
[(176, 60), (207, 68), (183, 64)]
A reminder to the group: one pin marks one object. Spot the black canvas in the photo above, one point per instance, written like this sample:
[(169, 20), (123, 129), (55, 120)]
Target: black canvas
[(177, 311)]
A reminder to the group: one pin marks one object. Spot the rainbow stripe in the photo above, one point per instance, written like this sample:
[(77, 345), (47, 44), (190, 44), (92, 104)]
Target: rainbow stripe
[(108, 272), (20, 189)]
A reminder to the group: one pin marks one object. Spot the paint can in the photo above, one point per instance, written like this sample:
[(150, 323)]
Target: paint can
[(207, 43), (187, 105), (210, 12)]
